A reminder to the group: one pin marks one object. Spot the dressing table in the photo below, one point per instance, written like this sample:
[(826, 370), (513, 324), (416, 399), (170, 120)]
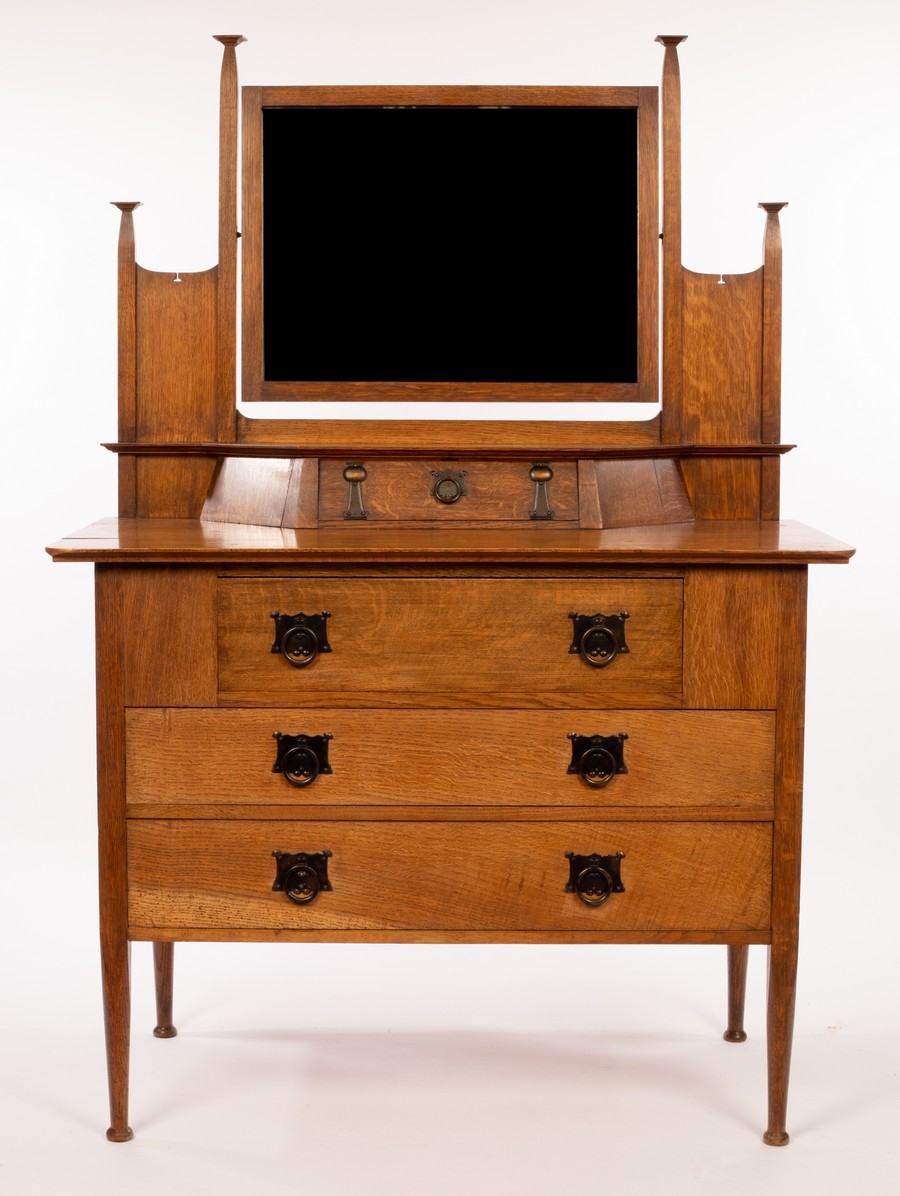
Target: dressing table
[(433, 681)]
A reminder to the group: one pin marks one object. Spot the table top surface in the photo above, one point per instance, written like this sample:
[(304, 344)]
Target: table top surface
[(192, 541)]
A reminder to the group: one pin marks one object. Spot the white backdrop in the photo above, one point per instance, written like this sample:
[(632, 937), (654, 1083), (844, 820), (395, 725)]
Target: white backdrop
[(781, 100)]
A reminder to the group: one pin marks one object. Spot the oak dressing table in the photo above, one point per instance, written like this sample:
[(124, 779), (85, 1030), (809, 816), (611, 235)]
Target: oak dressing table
[(450, 681)]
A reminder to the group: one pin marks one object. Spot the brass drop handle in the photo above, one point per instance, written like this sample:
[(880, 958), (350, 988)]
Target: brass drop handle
[(594, 878), (301, 875), (598, 638), (300, 638), (301, 758)]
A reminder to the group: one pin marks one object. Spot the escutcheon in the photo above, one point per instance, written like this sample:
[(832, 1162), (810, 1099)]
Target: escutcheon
[(301, 758), (301, 875), (595, 877)]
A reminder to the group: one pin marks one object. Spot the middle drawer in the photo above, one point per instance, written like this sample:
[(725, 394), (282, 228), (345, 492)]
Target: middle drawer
[(685, 758)]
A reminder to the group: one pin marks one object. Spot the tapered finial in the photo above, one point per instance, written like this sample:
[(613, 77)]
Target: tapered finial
[(229, 39), (125, 205), (671, 39)]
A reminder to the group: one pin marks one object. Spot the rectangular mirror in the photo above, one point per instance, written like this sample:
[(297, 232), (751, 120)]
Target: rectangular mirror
[(438, 244)]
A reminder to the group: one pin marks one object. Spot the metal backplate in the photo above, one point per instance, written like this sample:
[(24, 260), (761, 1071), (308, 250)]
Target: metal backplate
[(599, 638), (301, 758), (583, 869), (301, 875)]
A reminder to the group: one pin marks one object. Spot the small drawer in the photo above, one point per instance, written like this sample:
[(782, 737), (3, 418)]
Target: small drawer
[(456, 492), (689, 759), (450, 641), (420, 876)]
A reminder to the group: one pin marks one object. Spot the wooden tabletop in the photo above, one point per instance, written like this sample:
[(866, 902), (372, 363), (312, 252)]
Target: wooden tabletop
[(169, 541)]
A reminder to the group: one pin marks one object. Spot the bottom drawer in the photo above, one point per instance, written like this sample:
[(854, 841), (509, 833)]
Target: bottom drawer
[(441, 876)]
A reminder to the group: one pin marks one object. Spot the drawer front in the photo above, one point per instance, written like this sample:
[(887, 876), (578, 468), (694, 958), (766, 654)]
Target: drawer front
[(450, 639), (478, 491), (690, 877), (680, 758)]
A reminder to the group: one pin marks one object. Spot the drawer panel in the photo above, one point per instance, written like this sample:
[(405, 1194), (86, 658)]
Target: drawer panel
[(450, 876), (695, 758), (495, 491), (450, 637)]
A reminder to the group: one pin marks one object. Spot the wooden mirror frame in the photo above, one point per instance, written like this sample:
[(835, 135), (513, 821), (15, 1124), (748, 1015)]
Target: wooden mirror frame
[(643, 99)]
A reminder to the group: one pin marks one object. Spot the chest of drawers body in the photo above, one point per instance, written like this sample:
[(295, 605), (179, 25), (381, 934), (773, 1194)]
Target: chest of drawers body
[(452, 808)]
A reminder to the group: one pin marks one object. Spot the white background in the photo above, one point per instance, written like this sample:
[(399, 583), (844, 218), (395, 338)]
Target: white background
[(438, 1070)]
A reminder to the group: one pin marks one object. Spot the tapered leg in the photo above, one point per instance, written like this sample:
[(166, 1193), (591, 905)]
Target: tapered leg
[(163, 964), (115, 956), (737, 987), (782, 993)]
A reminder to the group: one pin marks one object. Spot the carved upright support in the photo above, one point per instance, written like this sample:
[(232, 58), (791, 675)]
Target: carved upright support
[(226, 311), (127, 353), (673, 280), (770, 406)]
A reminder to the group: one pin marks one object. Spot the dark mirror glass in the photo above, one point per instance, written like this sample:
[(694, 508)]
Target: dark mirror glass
[(450, 244)]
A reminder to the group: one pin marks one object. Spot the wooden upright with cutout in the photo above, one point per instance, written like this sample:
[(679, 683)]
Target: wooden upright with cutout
[(558, 661)]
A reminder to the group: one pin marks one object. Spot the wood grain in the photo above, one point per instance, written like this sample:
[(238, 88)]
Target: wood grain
[(489, 635), (127, 352), (447, 757), (722, 357), (168, 618), (671, 430), (115, 960), (722, 488), (476, 876), (748, 542), (172, 487), (639, 493), (243, 934), (267, 492), (737, 669), (446, 437), (401, 490), (782, 986), (226, 278)]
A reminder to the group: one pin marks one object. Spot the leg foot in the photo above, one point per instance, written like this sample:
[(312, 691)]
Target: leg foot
[(163, 968), (776, 1138), (123, 1135), (782, 990), (737, 988)]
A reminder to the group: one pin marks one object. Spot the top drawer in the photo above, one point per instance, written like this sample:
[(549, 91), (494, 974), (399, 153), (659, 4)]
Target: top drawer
[(449, 642)]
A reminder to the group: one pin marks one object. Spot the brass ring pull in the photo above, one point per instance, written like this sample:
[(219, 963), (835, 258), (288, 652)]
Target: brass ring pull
[(300, 646), (300, 766), (599, 646), (301, 884), (594, 885), (597, 767)]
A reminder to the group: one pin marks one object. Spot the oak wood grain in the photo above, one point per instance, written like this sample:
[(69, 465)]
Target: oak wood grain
[(489, 635), (467, 876), (447, 757), (115, 960), (243, 934), (401, 490), (737, 669), (671, 430), (226, 277), (722, 357), (168, 619), (714, 541), (782, 980)]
